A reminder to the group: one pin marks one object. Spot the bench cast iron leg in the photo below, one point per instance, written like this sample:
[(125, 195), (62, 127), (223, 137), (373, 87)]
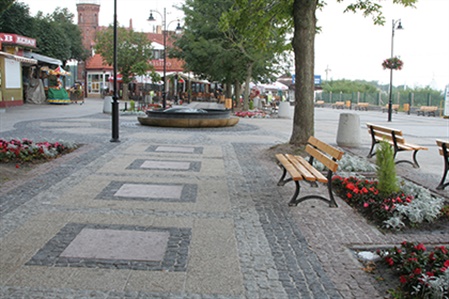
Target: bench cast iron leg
[(293, 201), (331, 201), (282, 180), (443, 185), (371, 154), (414, 163)]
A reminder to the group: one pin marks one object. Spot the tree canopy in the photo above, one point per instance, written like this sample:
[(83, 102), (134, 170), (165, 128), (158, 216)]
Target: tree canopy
[(134, 52), (56, 35), (214, 48), (301, 16)]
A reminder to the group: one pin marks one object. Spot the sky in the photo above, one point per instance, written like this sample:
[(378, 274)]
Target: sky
[(349, 46)]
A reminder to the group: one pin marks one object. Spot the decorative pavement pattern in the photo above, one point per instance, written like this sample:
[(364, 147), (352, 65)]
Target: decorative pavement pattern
[(176, 213)]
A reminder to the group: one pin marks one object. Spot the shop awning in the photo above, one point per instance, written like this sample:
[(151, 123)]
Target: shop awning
[(18, 58), (42, 58)]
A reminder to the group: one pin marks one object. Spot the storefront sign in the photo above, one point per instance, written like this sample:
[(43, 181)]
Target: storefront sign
[(8, 38)]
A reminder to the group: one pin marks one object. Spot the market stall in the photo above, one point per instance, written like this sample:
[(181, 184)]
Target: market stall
[(56, 91)]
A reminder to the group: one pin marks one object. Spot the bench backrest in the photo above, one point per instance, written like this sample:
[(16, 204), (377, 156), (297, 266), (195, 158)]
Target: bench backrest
[(323, 152), (428, 108), (380, 132), (393, 106), (442, 149)]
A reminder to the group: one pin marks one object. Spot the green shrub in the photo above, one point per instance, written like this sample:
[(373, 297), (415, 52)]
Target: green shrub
[(386, 169), (251, 105), (132, 105)]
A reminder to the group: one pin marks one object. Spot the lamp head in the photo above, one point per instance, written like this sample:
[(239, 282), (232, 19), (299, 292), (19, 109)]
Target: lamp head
[(151, 18), (399, 26), (178, 29)]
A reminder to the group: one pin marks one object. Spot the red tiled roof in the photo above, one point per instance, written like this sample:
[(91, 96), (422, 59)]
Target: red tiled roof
[(173, 65), (96, 63)]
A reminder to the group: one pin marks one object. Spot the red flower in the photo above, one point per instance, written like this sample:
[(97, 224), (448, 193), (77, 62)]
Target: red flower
[(443, 249), (365, 205), (420, 246), (446, 264), (417, 271), (403, 279), (349, 195), (350, 186), (389, 261), (364, 190)]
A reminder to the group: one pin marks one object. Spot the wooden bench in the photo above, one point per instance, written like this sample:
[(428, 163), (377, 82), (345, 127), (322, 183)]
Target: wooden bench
[(300, 169), (338, 105), (429, 110), (394, 107), (361, 106), (319, 104), (443, 148), (395, 138)]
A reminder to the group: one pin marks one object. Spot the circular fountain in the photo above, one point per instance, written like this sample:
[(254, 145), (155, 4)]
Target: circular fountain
[(184, 117)]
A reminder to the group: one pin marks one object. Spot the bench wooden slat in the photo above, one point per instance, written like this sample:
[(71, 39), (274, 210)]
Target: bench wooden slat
[(295, 174), (322, 158), (318, 175), (305, 173), (384, 129), (324, 147)]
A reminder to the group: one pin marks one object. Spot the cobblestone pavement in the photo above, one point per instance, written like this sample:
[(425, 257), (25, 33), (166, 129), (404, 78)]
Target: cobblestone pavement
[(205, 201)]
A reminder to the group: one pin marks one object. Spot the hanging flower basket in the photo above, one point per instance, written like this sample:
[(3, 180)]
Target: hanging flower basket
[(392, 63)]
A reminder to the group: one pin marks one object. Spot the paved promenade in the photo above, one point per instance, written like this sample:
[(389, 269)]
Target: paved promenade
[(186, 213)]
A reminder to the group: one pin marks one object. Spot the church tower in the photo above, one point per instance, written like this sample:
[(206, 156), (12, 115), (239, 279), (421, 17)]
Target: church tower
[(88, 12)]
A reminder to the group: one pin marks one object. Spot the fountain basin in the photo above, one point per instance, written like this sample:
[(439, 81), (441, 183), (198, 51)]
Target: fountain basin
[(189, 118)]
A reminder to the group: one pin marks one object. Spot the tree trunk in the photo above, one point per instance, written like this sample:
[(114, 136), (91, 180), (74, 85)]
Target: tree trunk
[(304, 48), (237, 93), (247, 81), (125, 96), (228, 90)]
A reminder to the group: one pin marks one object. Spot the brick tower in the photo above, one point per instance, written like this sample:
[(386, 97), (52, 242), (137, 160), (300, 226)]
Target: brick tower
[(88, 12)]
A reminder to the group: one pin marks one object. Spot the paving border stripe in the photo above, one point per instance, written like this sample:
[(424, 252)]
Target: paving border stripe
[(298, 267)]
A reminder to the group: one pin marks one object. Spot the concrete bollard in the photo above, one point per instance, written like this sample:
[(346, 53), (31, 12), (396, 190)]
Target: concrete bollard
[(107, 105), (285, 110), (349, 130)]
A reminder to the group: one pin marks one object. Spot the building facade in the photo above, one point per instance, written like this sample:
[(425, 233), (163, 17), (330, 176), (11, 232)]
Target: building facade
[(97, 75)]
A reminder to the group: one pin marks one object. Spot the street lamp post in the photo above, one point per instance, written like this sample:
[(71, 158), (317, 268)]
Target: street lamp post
[(164, 25), (115, 108), (390, 104)]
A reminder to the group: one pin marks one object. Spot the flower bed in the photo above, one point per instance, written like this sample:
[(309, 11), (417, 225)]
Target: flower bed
[(25, 150), (410, 207), (422, 273), (252, 114)]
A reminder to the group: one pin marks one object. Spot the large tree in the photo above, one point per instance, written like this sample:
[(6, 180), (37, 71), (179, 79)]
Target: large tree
[(227, 56), (303, 14), (134, 52), (65, 20), (56, 35), (16, 18), (5, 4)]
